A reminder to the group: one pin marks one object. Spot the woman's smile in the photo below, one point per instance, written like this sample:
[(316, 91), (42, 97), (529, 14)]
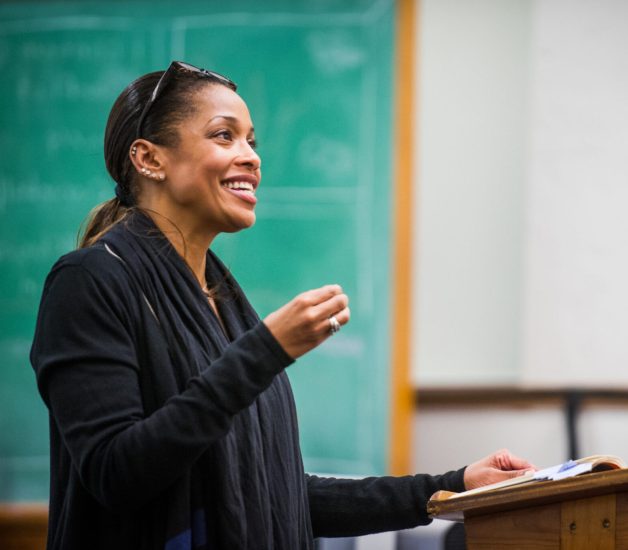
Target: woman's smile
[(242, 186)]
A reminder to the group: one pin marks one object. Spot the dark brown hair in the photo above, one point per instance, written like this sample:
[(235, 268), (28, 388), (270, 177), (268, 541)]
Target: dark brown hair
[(160, 126)]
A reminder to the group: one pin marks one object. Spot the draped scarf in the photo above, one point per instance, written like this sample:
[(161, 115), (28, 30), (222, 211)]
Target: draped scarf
[(248, 489)]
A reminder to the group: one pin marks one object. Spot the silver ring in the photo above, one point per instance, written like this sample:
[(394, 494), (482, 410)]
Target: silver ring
[(334, 325)]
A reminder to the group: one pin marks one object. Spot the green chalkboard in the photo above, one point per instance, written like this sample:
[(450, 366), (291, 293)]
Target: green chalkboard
[(317, 76)]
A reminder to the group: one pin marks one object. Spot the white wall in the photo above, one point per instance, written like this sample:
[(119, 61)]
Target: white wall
[(521, 233), (447, 439), (576, 291), (470, 153), (521, 236)]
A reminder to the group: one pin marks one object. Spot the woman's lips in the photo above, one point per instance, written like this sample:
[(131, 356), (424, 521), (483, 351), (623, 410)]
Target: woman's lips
[(244, 190)]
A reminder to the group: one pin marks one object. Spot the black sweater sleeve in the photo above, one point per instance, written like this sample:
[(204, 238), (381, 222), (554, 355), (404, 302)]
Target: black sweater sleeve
[(87, 373), (353, 507)]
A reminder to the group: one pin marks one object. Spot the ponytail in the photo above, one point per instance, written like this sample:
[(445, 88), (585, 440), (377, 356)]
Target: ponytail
[(100, 220)]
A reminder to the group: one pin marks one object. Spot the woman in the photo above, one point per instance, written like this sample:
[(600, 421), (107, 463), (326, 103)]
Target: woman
[(171, 417)]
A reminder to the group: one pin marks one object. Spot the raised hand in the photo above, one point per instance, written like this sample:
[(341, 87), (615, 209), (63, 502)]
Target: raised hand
[(304, 322)]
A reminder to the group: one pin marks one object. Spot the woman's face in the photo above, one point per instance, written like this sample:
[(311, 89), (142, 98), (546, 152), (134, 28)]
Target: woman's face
[(214, 171)]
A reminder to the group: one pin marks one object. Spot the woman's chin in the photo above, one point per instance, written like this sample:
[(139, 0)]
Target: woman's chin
[(242, 222)]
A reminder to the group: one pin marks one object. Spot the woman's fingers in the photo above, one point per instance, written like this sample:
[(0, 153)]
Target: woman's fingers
[(304, 323), (320, 295), (341, 316), (336, 306), (332, 306)]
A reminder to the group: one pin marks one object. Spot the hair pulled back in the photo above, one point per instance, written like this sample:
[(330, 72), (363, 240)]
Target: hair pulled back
[(173, 106)]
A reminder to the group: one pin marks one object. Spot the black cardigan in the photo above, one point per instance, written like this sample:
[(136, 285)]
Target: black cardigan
[(118, 448)]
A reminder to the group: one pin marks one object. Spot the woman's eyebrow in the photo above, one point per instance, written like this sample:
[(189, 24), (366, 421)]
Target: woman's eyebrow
[(226, 117)]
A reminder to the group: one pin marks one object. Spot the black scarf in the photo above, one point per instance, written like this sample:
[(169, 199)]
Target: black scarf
[(248, 489)]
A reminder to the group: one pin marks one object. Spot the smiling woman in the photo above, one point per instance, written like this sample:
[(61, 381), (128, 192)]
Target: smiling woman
[(173, 424), (206, 184)]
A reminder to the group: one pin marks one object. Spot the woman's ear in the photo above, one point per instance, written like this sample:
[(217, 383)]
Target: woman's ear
[(146, 158)]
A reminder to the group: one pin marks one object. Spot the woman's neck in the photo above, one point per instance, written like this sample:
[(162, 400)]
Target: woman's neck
[(192, 246)]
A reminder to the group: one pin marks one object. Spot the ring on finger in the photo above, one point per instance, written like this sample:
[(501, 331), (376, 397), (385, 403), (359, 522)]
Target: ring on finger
[(334, 325)]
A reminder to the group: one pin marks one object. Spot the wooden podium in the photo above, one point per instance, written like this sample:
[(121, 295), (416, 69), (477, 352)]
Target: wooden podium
[(587, 512)]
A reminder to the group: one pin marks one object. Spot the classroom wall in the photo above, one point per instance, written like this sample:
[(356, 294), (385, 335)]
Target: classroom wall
[(576, 253), (520, 234), (472, 70), (446, 438)]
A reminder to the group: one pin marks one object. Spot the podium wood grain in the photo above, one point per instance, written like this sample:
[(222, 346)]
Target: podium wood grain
[(587, 512)]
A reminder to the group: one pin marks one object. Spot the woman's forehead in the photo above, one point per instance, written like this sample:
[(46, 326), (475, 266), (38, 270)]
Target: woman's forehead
[(220, 101)]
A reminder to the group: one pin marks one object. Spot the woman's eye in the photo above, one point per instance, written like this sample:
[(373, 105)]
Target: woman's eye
[(253, 143), (223, 134)]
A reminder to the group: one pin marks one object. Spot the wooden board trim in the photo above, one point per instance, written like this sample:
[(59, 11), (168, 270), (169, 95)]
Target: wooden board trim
[(402, 399)]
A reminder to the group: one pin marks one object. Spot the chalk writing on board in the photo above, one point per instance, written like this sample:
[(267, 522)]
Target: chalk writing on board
[(334, 51), (67, 85), (59, 139), (91, 49), (33, 190), (344, 346), (302, 211), (331, 157), (16, 347), (308, 192), (29, 288), (12, 252)]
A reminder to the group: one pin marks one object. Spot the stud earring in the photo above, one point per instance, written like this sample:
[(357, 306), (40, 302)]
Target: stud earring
[(134, 150)]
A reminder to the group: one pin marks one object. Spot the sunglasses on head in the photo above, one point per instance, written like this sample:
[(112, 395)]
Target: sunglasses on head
[(179, 68)]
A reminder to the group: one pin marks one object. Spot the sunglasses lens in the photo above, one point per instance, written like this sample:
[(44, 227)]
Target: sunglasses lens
[(186, 67)]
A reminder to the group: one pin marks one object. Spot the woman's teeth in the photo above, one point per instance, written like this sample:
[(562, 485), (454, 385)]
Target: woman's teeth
[(243, 185)]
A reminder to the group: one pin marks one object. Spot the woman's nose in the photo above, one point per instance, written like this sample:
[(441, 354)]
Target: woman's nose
[(248, 156)]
